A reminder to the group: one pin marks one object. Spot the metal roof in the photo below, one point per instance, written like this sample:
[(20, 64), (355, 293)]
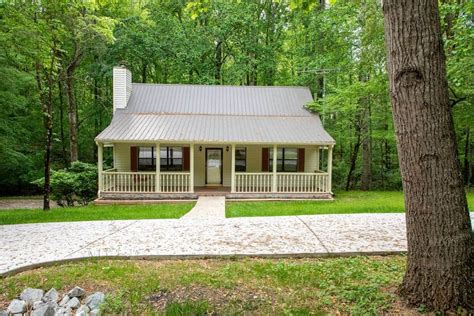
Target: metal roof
[(226, 114)]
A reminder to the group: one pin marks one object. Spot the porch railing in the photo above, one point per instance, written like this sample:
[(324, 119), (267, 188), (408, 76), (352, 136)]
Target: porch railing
[(253, 182), (245, 182), (114, 181), (145, 182), (302, 182), (288, 182), (175, 182)]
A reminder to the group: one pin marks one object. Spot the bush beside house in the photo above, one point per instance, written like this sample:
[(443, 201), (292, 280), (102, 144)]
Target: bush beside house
[(76, 184)]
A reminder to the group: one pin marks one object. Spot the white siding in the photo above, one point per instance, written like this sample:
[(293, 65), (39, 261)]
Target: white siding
[(311, 159), (122, 157), (122, 87)]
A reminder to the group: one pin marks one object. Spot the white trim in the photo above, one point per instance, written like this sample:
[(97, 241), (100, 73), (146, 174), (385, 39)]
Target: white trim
[(157, 166), (275, 161), (232, 170), (100, 165), (330, 169), (204, 142), (191, 168)]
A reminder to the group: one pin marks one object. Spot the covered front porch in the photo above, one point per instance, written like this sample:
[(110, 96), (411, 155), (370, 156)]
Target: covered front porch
[(185, 171)]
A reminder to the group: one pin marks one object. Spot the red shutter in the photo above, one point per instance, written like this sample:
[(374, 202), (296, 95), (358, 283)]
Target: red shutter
[(300, 159), (134, 158), (186, 158), (265, 158)]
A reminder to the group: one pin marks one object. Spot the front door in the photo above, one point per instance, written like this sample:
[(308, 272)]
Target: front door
[(213, 166)]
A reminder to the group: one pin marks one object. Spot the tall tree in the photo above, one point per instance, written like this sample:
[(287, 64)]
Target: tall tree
[(83, 30), (440, 242)]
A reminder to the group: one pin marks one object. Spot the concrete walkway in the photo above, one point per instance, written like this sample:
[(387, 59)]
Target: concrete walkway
[(207, 207), (27, 245)]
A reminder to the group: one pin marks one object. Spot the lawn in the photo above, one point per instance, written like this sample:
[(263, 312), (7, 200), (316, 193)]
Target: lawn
[(356, 285), (344, 203), (96, 212)]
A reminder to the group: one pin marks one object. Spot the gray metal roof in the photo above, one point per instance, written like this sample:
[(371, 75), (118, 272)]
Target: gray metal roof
[(226, 114)]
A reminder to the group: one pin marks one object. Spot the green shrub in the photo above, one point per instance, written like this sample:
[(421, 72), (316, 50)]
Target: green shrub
[(78, 183)]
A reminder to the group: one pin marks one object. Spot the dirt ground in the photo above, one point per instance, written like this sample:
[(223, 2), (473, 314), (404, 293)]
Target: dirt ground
[(23, 203)]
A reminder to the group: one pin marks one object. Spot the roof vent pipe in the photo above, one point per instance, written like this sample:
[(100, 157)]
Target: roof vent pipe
[(122, 83)]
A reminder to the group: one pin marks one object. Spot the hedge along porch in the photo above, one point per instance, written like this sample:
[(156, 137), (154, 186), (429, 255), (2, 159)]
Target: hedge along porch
[(241, 170), (245, 141)]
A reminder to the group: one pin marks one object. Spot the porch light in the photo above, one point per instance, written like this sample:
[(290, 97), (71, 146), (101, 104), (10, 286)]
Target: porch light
[(200, 148), (227, 148)]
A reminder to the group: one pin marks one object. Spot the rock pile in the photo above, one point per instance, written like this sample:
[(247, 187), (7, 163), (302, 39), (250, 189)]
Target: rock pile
[(35, 302)]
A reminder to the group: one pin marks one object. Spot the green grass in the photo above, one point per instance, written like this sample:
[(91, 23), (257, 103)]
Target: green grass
[(96, 212), (344, 203), (355, 285)]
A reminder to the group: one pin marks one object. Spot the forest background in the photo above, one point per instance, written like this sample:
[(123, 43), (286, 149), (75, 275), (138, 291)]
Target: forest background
[(56, 60)]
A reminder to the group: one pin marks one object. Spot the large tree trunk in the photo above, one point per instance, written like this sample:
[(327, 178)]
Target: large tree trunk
[(440, 242)]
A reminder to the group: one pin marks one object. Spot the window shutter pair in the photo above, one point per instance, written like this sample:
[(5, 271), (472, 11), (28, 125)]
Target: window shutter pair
[(134, 158), (266, 157)]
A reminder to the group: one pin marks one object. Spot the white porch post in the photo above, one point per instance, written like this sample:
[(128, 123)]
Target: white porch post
[(157, 165), (114, 156), (330, 168), (191, 169), (318, 164), (274, 177), (232, 171), (100, 165)]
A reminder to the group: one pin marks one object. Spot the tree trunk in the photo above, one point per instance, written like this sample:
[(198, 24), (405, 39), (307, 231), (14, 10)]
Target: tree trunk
[(46, 101), (144, 71), (72, 109), (218, 62), (440, 242), (61, 122), (320, 86), (353, 161), (366, 177)]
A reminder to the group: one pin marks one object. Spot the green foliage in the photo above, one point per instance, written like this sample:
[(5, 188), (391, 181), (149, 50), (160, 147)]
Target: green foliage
[(76, 184), (187, 308), (338, 51)]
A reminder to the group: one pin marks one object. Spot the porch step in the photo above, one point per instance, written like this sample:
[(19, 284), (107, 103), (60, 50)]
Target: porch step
[(207, 207)]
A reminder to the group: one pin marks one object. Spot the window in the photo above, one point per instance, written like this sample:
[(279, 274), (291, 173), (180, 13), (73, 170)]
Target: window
[(240, 159), (171, 158), (146, 159), (287, 159)]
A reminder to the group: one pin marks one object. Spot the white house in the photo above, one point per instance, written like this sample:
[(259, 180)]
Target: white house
[(179, 141)]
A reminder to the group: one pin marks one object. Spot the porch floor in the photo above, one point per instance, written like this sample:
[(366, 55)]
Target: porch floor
[(212, 191)]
